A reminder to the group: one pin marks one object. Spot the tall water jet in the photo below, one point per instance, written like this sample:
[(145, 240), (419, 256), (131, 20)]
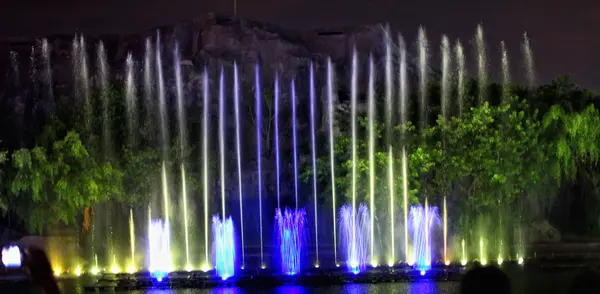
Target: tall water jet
[(223, 232), (182, 147), (236, 96), (277, 159), (48, 68), (149, 111), (505, 73), (258, 108), (461, 73), (390, 160), (330, 112), (164, 136), (421, 222), (353, 101), (291, 237), (82, 79), (224, 246), (403, 93), (423, 77), (314, 158), (159, 249), (106, 137), (371, 116), (355, 236), (205, 114), (481, 63), (528, 58), (102, 66), (130, 104), (131, 100), (445, 91), (294, 140), (131, 241)]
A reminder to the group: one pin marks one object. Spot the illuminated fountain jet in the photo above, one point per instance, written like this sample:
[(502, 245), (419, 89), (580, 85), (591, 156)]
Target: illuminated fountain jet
[(354, 229), (160, 251), (421, 221)]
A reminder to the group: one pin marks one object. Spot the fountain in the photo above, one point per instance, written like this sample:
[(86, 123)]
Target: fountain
[(159, 249), (355, 236), (223, 246), (421, 222), (291, 239), (355, 228)]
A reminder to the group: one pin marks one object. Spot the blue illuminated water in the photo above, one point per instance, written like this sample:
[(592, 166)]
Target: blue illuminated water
[(223, 246), (421, 222), (355, 236), (290, 230)]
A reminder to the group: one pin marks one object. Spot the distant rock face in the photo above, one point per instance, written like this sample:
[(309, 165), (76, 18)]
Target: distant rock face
[(542, 231), (214, 41)]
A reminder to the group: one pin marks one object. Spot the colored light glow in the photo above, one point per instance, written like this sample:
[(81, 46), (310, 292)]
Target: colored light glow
[(291, 238), (447, 262), (374, 264), (115, 269), (421, 221), (95, 271), (422, 272), (263, 266), (390, 263), (463, 262), (78, 271), (317, 265), (188, 268), (159, 249), (500, 260), (223, 246), (131, 269), (483, 262), (354, 236), (520, 261), (57, 272), (205, 267)]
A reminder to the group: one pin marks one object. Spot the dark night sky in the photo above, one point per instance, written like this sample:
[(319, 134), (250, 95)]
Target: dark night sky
[(565, 34)]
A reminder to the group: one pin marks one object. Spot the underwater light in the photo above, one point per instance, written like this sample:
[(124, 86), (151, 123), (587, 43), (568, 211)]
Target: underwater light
[(422, 273), (337, 265), (263, 266), (483, 262), (317, 265), (500, 260), (463, 262), (78, 271), (115, 269), (131, 269), (94, 271), (390, 263), (374, 264), (57, 272), (205, 267), (520, 261), (188, 268), (447, 262)]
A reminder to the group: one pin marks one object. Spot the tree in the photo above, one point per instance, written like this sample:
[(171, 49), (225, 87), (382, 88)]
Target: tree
[(53, 186)]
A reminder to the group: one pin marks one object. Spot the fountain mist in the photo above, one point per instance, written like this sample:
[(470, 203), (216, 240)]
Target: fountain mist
[(354, 236), (294, 139)]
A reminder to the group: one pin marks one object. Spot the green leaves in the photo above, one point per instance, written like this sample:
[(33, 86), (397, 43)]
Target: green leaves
[(64, 180)]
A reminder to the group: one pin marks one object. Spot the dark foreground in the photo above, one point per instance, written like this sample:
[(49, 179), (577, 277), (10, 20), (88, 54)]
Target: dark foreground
[(524, 279)]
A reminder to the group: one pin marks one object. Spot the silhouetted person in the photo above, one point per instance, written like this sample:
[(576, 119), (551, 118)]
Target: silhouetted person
[(485, 280), (36, 261), (586, 282)]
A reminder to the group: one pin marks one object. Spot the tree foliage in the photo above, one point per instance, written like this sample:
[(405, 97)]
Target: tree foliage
[(56, 184)]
